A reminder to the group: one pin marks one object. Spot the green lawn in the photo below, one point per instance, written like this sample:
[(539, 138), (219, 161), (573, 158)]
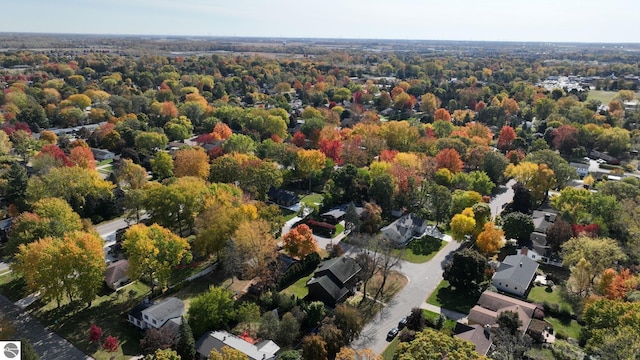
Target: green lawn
[(603, 96), (421, 250), (288, 214), (339, 230), (449, 325), (108, 310), (12, 286), (313, 199), (571, 329), (445, 297), (299, 287), (104, 162), (539, 294), (388, 353)]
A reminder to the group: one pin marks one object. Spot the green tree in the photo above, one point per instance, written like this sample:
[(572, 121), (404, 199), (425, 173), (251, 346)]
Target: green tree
[(349, 321), (599, 252), (259, 176), (562, 170), (16, 190), (430, 344), (162, 165), (383, 190), (464, 199), (239, 143), (153, 251), (517, 226), (213, 309), (131, 175), (148, 142), (466, 270), (494, 165), (509, 321), (28, 352), (186, 346), (50, 217), (269, 326), (289, 330)]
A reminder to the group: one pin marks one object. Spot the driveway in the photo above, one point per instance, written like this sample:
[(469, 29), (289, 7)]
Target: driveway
[(46, 343), (423, 279), (501, 199)]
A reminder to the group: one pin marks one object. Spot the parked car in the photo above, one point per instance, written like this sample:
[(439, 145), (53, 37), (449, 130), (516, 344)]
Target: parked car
[(392, 333), (600, 161), (402, 323)]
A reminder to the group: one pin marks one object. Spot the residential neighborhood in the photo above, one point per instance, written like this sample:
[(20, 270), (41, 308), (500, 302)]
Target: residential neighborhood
[(316, 200)]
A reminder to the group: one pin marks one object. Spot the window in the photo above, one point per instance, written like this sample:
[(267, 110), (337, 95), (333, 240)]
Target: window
[(146, 317), (155, 322)]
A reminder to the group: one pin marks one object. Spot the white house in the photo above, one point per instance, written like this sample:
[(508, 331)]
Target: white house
[(148, 315), (515, 274), (216, 340), (404, 229)]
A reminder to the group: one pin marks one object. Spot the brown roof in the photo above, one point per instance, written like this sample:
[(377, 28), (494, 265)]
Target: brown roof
[(491, 305), (476, 334), (116, 271)]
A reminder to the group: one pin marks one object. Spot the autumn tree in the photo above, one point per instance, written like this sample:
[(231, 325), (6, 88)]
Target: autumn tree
[(309, 162), (314, 348), (131, 175), (490, 239), (558, 233), (110, 344), (449, 159), (432, 344), (51, 217), (442, 114), (227, 353), (221, 131), (153, 251), (505, 140), (429, 103), (299, 242), (257, 248), (565, 139), (191, 162), (157, 339), (83, 157), (95, 333), (598, 253), (463, 224), (538, 178)]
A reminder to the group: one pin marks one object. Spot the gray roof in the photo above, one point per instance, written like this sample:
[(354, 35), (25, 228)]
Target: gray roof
[(217, 339), (405, 224), (518, 269), (332, 289), (539, 221), (343, 268), (164, 308)]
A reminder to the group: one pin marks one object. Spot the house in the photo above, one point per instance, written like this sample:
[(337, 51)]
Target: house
[(538, 249), (334, 280), (216, 340), (404, 229), (515, 275), (337, 214), (581, 169), (148, 315), (116, 274), (479, 335), (102, 154), (284, 198), (491, 305)]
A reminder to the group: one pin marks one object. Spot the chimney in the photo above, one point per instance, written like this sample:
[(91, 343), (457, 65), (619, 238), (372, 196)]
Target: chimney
[(524, 251), (547, 217), (520, 264)]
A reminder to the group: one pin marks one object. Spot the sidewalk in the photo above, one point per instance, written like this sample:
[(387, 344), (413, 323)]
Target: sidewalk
[(47, 344), (450, 314)]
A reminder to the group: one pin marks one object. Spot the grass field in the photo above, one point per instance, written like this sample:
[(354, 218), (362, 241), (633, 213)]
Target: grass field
[(313, 199), (388, 353), (539, 294), (447, 298), (604, 97)]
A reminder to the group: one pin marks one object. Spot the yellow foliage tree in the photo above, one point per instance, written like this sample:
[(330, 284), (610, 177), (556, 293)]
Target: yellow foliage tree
[(463, 224), (490, 239)]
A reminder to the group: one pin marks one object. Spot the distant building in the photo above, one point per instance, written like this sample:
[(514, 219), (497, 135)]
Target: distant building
[(149, 315), (515, 275), (102, 154), (404, 229), (334, 280), (116, 274), (581, 169)]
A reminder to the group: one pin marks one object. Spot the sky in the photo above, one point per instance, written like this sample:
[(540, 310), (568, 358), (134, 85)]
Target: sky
[(611, 21)]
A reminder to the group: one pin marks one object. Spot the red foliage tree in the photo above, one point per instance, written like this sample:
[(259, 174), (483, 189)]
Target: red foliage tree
[(95, 333), (216, 152), (299, 139), (565, 139), (332, 149), (507, 135), (480, 105), (515, 156), (588, 230), (110, 344), (204, 139), (388, 155), (56, 153), (299, 242), (449, 159)]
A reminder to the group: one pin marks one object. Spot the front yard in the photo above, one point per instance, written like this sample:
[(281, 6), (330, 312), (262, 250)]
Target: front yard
[(421, 250), (447, 298), (298, 288)]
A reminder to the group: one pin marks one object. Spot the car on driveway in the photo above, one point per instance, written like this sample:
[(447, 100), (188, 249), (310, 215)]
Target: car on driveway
[(402, 323), (392, 333)]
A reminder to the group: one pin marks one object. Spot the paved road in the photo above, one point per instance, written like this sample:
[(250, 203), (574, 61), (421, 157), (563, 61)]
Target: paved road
[(423, 279), (46, 343), (506, 196), (108, 229)]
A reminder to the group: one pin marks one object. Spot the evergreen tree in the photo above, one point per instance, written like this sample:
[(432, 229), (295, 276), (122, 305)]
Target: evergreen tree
[(17, 186), (28, 352), (186, 346)]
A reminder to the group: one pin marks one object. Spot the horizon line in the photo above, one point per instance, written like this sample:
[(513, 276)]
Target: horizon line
[(314, 38)]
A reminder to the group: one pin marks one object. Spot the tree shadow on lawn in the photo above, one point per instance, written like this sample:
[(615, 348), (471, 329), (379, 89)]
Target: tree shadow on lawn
[(456, 300), (425, 245)]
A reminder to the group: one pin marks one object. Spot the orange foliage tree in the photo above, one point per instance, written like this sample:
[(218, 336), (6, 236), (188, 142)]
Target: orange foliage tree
[(221, 132), (191, 162), (505, 140), (449, 159), (83, 157), (299, 242), (442, 114), (490, 239)]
